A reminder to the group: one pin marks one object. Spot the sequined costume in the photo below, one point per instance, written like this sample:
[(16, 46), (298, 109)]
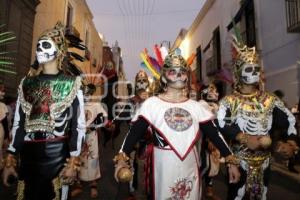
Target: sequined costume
[(49, 126), (253, 114)]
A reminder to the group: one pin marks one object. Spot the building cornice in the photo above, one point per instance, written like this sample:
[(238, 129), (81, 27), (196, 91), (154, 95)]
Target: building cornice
[(89, 12), (205, 8)]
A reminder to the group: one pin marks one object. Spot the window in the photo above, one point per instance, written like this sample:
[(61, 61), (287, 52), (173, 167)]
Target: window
[(87, 38), (213, 63), (87, 41), (69, 15), (217, 48), (199, 64), (293, 15), (250, 24), (245, 19)]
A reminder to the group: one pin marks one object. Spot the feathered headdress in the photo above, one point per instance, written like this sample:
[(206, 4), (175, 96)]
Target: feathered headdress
[(242, 54), (64, 39)]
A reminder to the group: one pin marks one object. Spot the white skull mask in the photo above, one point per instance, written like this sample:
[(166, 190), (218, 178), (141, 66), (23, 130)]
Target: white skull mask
[(250, 73), (142, 84), (46, 51)]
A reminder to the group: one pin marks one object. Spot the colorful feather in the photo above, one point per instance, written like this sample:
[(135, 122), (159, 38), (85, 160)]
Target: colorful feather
[(158, 55)]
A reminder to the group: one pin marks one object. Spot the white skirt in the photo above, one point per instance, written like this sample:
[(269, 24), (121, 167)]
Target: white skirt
[(175, 178), (90, 170)]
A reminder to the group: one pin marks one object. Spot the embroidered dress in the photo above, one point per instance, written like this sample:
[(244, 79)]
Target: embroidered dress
[(90, 169), (176, 128)]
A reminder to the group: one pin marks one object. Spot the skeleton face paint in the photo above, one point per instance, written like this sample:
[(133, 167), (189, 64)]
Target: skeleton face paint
[(250, 73), (46, 51), (177, 77)]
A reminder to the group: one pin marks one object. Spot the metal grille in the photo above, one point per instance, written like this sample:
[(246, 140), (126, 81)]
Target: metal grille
[(293, 15)]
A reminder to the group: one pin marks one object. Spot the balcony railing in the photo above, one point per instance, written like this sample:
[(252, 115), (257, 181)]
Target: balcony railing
[(293, 15)]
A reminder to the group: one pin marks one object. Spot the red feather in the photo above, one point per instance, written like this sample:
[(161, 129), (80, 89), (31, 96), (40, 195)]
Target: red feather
[(158, 55)]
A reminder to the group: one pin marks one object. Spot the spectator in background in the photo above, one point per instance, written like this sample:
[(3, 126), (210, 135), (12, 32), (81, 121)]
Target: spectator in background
[(292, 161), (280, 94), (4, 131)]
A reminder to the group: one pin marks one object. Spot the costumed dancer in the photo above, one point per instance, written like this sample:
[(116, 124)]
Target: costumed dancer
[(253, 112), (142, 85), (49, 125), (210, 154), (177, 123), (90, 170), (4, 128), (110, 100)]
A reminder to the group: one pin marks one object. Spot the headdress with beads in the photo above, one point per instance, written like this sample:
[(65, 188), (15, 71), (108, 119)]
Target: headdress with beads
[(57, 35), (174, 59), (64, 38), (241, 55), (141, 75)]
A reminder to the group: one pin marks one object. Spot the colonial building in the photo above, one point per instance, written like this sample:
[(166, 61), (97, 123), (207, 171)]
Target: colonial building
[(18, 16), (271, 26), (76, 15)]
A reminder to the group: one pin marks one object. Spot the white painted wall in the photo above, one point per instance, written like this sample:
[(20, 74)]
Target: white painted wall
[(279, 49), (220, 14)]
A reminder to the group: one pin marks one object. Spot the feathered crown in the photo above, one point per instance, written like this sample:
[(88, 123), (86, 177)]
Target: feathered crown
[(174, 59), (141, 75), (243, 53)]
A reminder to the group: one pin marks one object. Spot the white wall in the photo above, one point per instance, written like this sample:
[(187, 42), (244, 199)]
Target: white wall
[(280, 50), (220, 14)]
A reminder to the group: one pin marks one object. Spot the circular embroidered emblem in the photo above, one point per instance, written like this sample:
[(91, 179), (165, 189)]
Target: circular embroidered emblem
[(178, 119)]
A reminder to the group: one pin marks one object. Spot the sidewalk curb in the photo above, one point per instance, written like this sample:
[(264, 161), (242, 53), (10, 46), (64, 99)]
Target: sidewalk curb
[(282, 170)]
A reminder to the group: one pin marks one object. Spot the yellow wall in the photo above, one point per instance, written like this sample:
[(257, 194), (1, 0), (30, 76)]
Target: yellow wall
[(50, 11)]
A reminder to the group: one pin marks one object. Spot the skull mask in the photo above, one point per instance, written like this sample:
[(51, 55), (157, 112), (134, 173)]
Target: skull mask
[(141, 81), (250, 73), (46, 51), (212, 93)]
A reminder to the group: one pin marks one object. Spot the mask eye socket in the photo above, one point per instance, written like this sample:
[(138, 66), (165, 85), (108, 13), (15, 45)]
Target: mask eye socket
[(183, 71), (257, 69), (248, 69), (46, 45), (171, 72)]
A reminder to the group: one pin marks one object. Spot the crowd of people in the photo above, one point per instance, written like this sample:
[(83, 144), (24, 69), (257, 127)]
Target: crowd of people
[(52, 143)]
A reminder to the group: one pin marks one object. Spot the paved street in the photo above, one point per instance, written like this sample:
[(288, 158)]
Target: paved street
[(282, 186)]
